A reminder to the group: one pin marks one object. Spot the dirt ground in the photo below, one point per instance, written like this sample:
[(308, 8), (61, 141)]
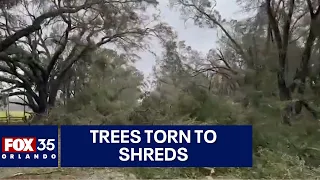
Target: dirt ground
[(66, 173), (69, 173)]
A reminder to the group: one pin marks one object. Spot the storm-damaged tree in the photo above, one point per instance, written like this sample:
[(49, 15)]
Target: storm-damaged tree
[(217, 63), (37, 57), (284, 24), (107, 94), (284, 32)]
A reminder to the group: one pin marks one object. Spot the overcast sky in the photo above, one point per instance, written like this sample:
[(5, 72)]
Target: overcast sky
[(197, 38)]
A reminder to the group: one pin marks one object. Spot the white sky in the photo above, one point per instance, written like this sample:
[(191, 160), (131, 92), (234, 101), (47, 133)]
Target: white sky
[(199, 39)]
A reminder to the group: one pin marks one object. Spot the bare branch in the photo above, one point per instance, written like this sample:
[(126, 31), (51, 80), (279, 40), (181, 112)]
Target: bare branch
[(213, 20), (60, 49), (274, 25), (286, 27)]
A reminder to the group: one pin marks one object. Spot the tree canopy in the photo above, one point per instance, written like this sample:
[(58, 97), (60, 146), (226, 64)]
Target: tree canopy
[(74, 63)]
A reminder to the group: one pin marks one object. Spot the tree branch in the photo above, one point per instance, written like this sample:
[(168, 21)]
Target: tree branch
[(309, 3), (36, 25), (209, 17), (60, 49), (286, 27), (274, 25)]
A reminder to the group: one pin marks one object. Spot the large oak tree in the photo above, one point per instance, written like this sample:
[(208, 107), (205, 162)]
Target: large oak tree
[(42, 40)]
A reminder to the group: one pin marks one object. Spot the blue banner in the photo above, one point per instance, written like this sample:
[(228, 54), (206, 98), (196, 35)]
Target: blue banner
[(156, 146), (29, 146)]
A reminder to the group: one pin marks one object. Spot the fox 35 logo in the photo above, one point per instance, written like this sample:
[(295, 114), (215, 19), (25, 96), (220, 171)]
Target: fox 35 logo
[(28, 148)]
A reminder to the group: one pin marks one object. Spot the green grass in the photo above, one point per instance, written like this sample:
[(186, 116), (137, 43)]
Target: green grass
[(15, 116)]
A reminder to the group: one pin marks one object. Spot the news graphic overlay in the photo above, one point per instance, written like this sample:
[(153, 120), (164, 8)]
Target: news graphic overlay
[(156, 146), (29, 146)]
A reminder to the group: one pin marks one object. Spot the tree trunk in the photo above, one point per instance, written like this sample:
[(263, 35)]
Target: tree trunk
[(284, 91), (39, 118)]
